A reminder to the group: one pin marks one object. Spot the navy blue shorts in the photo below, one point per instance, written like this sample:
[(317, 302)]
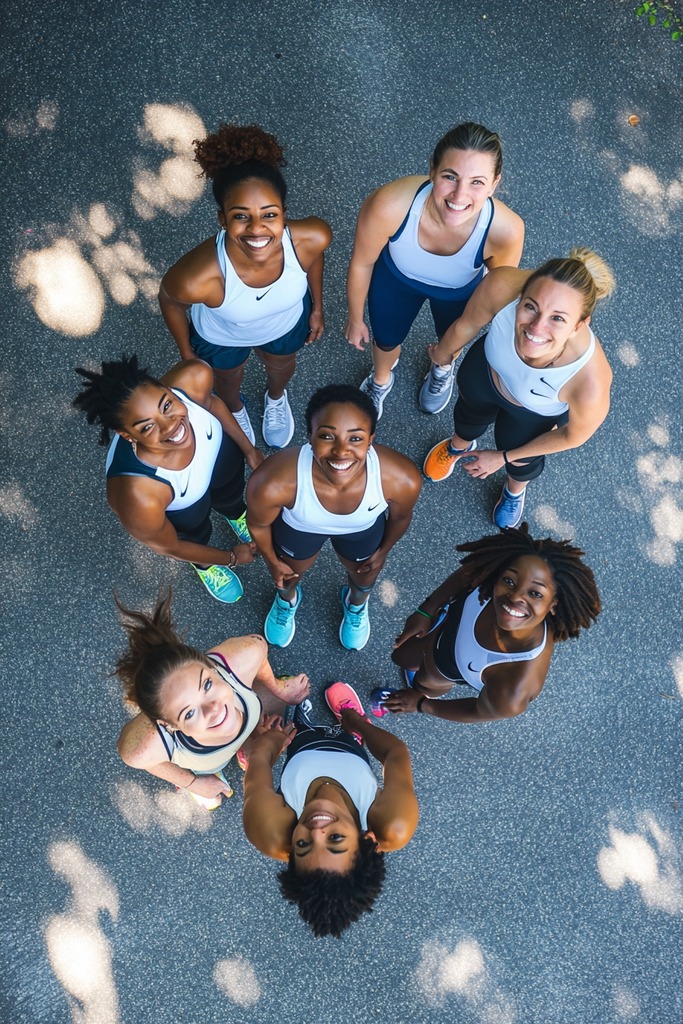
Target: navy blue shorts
[(227, 357), (394, 301), (354, 547)]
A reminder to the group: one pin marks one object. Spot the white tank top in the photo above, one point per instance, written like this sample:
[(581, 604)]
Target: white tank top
[(189, 484), (187, 753), (308, 515), (453, 271), (350, 771), (470, 657), (253, 316), (534, 389)]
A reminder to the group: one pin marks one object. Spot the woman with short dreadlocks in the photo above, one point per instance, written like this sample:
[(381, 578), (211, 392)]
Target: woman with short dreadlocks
[(492, 625)]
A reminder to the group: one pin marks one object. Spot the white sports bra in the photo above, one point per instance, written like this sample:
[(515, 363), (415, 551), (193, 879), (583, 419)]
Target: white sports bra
[(308, 515)]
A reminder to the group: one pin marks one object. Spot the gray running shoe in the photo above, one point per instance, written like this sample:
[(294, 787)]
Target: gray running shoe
[(377, 393), (278, 422), (437, 388), (242, 418)]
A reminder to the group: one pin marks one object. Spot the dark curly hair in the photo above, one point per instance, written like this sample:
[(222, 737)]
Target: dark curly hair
[(155, 650), (343, 394), (235, 153), (470, 135), (576, 593), (329, 902), (105, 393)]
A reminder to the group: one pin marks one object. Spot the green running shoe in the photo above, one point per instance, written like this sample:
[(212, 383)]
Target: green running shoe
[(221, 583)]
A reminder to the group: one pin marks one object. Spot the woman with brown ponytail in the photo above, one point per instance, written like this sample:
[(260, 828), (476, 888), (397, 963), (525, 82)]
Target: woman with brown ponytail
[(539, 374), (196, 711), (257, 284)]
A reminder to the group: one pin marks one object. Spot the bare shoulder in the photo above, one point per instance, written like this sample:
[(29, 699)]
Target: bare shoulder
[(312, 232), (194, 377), (398, 471), (506, 226), (388, 204), (140, 744), (276, 475), (188, 280)]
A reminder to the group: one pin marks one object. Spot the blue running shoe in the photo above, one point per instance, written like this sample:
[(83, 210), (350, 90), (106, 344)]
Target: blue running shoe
[(280, 624), (354, 631), (221, 583), (508, 509), (239, 527)]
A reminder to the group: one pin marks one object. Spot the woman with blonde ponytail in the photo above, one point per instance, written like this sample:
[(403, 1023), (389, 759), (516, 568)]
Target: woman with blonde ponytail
[(539, 373), (195, 711)]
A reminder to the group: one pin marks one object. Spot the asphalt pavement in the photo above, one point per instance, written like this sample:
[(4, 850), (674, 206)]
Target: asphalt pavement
[(545, 882)]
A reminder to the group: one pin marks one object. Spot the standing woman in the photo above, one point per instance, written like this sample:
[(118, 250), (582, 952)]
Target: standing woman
[(539, 374), (177, 452), (338, 486), (431, 238), (196, 710), (258, 284)]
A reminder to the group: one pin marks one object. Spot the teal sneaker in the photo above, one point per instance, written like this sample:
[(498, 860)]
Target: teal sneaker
[(280, 624), (239, 527), (221, 583), (354, 631)]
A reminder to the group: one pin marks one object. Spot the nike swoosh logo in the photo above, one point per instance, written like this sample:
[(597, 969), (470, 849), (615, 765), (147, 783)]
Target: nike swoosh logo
[(472, 668), (183, 493), (544, 381), (259, 297), (538, 395), (373, 507), (210, 435)]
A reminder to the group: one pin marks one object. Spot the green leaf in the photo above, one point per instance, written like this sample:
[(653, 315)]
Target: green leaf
[(676, 35), (652, 18), (640, 11), (667, 23)]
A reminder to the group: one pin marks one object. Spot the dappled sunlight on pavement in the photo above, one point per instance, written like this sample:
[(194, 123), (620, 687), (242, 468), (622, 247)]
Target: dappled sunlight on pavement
[(626, 1003), (649, 859), (175, 185), (167, 810), (236, 979), (29, 123), (462, 972), (548, 518), (79, 952), (14, 505)]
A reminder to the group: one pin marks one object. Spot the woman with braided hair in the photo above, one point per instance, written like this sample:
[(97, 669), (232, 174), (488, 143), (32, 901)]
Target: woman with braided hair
[(177, 453), (493, 625), (256, 284), (539, 373)]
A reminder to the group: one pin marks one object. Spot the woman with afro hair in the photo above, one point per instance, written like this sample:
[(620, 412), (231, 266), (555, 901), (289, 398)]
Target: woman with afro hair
[(256, 284), (493, 625), (329, 819)]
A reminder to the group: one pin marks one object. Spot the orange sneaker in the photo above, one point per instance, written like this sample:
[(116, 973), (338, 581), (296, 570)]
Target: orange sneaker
[(441, 460)]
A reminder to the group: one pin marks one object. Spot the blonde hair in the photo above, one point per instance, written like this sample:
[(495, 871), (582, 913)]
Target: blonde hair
[(584, 271)]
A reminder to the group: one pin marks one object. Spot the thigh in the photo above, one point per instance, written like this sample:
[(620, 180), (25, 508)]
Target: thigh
[(445, 312), (392, 306)]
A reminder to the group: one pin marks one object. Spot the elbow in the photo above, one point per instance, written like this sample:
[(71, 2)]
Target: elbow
[(396, 835)]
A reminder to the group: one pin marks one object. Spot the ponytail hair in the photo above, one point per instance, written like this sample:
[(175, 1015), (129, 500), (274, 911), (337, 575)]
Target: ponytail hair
[(236, 153), (155, 651), (584, 271)]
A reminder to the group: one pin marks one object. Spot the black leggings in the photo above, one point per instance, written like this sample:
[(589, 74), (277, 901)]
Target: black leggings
[(480, 403), (225, 495)]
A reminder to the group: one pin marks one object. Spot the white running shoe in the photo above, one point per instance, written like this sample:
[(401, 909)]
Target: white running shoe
[(242, 418), (278, 422)]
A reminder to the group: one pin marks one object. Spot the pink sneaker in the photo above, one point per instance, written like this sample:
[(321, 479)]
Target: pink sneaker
[(340, 696)]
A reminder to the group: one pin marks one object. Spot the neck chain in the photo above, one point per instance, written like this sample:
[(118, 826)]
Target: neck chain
[(558, 356)]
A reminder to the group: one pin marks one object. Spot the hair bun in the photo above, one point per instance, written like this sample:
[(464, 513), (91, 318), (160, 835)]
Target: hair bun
[(603, 278), (234, 144)]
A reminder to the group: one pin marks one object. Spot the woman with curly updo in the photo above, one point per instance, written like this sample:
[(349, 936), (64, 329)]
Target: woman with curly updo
[(492, 625), (257, 284)]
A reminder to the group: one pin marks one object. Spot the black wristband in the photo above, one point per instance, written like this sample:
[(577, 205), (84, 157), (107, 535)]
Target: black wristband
[(418, 706)]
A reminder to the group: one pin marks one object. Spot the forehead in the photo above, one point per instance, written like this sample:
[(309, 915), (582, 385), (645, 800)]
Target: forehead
[(468, 162), (252, 192), (533, 566), (175, 687), (145, 396), (555, 295), (343, 415)]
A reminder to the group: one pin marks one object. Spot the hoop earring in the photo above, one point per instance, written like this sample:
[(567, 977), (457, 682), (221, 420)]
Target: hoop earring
[(134, 446)]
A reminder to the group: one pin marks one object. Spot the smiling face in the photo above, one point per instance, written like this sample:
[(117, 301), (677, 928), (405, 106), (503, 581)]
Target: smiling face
[(254, 220), (156, 418), (461, 184), (548, 316), (524, 594), (199, 702), (325, 838), (340, 438)]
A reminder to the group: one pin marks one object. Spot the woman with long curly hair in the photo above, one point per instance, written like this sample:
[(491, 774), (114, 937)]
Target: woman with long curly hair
[(195, 711), (256, 284), (492, 625)]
